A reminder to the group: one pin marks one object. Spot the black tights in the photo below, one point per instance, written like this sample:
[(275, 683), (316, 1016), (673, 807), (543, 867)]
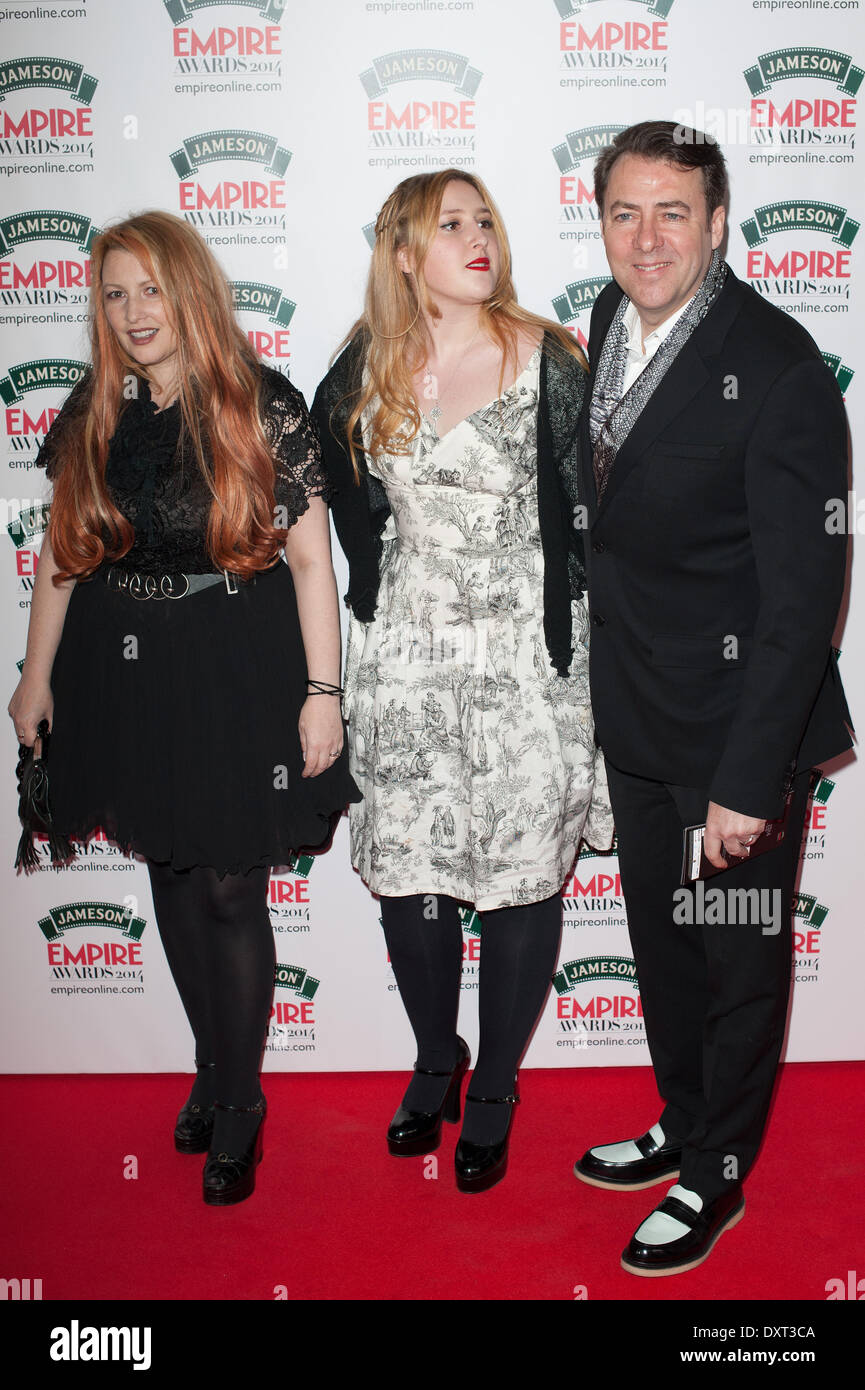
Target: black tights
[(519, 947), (219, 944)]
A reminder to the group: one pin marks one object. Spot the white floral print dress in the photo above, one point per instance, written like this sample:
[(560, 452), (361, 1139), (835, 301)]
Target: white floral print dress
[(477, 763)]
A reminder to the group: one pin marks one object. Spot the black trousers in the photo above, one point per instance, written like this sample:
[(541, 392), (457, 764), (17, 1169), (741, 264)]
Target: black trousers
[(714, 993)]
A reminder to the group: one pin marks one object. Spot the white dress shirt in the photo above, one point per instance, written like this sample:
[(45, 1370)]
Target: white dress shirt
[(640, 354)]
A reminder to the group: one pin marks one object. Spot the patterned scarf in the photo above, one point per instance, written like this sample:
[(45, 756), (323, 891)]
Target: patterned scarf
[(613, 415)]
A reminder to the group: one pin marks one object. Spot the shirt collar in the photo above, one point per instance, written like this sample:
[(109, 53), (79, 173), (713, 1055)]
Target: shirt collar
[(631, 320)]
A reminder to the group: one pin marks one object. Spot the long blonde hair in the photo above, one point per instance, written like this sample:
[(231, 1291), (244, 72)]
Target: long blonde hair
[(218, 396), (393, 323)]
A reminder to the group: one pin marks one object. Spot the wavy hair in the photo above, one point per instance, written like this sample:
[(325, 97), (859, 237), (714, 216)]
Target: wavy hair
[(393, 323), (218, 394)]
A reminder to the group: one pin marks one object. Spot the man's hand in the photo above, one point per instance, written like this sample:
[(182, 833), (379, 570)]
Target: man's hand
[(730, 830)]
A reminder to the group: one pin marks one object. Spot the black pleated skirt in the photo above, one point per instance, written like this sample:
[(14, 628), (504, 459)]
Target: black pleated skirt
[(175, 727)]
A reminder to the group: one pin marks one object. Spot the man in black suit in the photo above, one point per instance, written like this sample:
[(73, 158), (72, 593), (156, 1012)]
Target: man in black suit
[(712, 441)]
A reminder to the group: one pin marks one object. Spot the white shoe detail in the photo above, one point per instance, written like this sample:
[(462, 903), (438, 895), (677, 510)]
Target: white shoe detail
[(627, 1151), (659, 1228)]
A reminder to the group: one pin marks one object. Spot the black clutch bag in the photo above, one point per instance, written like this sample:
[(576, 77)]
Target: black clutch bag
[(34, 805)]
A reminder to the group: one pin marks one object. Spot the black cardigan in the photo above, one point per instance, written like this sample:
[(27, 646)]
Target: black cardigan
[(361, 509)]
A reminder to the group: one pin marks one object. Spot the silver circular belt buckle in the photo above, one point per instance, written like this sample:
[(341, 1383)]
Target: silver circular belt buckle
[(144, 586)]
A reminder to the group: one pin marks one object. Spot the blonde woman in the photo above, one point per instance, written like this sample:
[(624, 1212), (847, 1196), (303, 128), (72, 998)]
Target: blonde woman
[(170, 645), (448, 430)]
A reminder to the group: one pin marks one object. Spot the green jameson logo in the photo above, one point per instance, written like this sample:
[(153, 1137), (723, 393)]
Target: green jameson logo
[(584, 144), (807, 907), (578, 296), (47, 72), (295, 978), (47, 224), (213, 145), (30, 522), (33, 376), (263, 299), (823, 789), (300, 865), (567, 8), (800, 215), (181, 11), (844, 375), (420, 64), (61, 919), (576, 972), (469, 920), (804, 62)]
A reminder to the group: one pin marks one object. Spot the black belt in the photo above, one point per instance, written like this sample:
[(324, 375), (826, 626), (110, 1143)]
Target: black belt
[(144, 586)]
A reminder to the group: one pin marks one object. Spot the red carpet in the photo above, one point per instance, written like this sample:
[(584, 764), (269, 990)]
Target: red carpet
[(335, 1217)]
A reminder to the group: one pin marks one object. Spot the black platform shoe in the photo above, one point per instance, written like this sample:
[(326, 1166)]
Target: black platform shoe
[(479, 1166), (230, 1178), (194, 1123), (415, 1132)]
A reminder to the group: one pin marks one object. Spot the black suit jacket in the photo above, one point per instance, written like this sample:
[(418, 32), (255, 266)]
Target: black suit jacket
[(714, 585)]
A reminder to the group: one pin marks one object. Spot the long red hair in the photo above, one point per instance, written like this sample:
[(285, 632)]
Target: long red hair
[(219, 385)]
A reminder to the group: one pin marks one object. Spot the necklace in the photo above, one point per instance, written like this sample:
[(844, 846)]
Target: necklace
[(430, 384)]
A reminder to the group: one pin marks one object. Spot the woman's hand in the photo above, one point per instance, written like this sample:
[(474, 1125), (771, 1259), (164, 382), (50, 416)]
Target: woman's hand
[(31, 703), (321, 733)]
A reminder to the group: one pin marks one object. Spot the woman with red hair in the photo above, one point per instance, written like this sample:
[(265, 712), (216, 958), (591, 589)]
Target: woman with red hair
[(170, 646)]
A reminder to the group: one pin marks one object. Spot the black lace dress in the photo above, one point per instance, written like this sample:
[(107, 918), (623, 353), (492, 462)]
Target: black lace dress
[(175, 720)]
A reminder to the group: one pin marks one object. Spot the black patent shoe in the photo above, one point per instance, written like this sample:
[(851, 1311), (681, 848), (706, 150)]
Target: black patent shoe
[(691, 1249), (230, 1178), (479, 1166), (657, 1163), (194, 1126), (414, 1132)]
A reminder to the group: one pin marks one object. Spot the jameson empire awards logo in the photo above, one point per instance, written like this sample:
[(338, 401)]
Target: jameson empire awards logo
[(471, 924), (209, 54), (105, 961), (251, 296), (408, 128), (576, 301), (575, 158), (800, 271), (181, 11), (232, 202), (292, 1022), (26, 426), (781, 119), (611, 1012), (44, 127), (603, 53), (809, 916), (288, 896), (36, 279)]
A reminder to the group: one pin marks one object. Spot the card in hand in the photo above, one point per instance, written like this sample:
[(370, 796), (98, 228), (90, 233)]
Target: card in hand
[(695, 864)]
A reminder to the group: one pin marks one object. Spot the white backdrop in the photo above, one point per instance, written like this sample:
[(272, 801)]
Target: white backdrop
[(278, 129)]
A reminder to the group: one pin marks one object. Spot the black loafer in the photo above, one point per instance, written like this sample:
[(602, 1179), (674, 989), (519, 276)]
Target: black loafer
[(414, 1132), (696, 1245), (658, 1163)]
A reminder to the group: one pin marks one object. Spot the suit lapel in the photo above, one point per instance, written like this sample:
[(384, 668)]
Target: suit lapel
[(686, 376), (602, 317)]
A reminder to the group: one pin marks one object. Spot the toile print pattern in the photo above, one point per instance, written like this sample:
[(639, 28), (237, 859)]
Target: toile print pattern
[(476, 761)]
